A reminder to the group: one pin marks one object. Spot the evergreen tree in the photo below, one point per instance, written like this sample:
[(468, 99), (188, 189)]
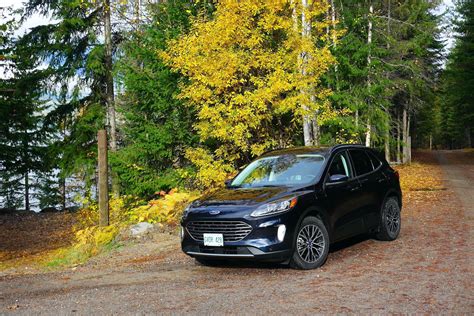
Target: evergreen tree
[(457, 104), (23, 142), (73, 49), (157, 127), (387, 65)]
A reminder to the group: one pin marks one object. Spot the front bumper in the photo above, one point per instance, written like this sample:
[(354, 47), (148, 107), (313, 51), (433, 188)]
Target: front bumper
[(237, 253), (261, 244)]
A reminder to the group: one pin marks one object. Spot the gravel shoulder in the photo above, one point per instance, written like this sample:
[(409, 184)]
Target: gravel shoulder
[(429, 269)]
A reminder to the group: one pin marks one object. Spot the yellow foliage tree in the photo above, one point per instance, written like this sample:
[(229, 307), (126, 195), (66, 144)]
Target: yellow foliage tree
[(254, 73)]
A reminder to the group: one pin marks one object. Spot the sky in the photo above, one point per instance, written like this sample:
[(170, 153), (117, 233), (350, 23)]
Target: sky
[(38, 20)]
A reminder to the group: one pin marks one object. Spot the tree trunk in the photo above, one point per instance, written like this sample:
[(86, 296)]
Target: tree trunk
[(308, 139), (307, 120), (431, 141), (387, 112), (368, 133), (398, 137), (334, 39), (27, 191), (387, 137), (369, 61), (333, 22), (405, 136), (109, 76), (408, 139), (103, 185), (62, 184), (409, 149), (357, 119), (467, 132), (110, 89), (316, 131)]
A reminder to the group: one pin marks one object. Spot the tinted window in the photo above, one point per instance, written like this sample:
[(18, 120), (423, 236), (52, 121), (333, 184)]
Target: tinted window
[(362, 163), (340, 165), (375, 160), (280, 170)]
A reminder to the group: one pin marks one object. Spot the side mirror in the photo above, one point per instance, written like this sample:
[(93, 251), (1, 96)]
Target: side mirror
[(228, 182), (338, 178)]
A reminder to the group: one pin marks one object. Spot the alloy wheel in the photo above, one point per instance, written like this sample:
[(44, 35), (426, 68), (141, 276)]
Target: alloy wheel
[(392, 219), (310, 243)]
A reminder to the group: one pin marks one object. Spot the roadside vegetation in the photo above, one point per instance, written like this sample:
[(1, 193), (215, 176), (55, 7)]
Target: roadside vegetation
[(91, 239), (75, 237), (191, 91)]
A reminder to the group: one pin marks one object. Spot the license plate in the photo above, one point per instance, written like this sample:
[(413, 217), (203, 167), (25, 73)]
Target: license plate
[(216, 240)]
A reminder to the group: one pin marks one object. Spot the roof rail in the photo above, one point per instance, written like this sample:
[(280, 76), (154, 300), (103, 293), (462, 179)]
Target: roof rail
[(346, 146)]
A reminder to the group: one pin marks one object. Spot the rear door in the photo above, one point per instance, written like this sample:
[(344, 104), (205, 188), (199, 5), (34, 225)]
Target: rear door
[(368, 171)]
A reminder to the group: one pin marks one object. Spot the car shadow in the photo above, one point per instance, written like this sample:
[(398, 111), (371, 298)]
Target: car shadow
[(346, 243), (338, 246)]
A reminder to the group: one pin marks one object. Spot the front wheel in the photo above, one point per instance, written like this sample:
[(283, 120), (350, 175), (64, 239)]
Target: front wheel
[(311, 245), (390, 220)]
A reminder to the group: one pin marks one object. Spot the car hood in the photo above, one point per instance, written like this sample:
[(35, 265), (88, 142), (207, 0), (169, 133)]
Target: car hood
[(241, 196)]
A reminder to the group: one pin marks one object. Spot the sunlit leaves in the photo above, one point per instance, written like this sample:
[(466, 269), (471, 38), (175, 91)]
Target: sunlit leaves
[(245, 74)]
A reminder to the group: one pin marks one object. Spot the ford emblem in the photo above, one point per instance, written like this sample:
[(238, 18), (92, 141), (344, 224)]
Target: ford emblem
[(214, 212)]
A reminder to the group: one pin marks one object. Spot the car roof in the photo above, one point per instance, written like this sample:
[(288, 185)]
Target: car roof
[(309, 150)]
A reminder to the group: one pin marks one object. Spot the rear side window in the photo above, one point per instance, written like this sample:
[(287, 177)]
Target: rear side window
[(362, 163), (375, 160)]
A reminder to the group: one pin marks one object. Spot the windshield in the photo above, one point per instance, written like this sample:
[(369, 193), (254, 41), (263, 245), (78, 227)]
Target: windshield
[(285, 170)]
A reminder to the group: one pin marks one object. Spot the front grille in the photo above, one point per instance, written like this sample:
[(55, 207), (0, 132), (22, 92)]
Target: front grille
[(232, 231)]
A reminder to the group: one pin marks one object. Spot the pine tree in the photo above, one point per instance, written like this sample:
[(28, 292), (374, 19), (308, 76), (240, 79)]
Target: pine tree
[(73, 49), (457, 104), (23, 142), (157, 126)]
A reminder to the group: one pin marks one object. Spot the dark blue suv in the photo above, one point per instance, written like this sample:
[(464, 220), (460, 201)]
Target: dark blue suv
[(289, 205)]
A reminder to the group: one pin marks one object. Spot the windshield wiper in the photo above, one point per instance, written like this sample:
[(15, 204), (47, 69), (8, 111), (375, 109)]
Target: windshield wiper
[(234, 186)]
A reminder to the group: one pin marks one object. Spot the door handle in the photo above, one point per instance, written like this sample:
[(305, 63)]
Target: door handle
[(380, 180), (355, 188)]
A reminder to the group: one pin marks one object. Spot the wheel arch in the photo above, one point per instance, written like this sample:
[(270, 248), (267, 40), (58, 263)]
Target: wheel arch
[(393, 193), (317, 212)]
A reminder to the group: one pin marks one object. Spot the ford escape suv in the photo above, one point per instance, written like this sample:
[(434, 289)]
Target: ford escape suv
[(289, 205)]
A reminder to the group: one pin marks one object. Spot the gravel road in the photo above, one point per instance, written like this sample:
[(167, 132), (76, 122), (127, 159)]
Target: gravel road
[(429, 269)]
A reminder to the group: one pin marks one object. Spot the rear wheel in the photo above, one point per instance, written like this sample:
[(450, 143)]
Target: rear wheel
[(390, 220), (311, 245)]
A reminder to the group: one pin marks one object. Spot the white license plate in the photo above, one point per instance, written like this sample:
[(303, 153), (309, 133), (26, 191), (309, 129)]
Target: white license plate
[(216, 240)]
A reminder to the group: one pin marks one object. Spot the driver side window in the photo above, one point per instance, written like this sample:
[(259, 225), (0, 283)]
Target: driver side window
[(340, 165)]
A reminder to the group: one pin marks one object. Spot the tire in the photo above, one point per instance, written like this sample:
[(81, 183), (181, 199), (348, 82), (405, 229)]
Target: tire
[(390, 220), (307, 256)]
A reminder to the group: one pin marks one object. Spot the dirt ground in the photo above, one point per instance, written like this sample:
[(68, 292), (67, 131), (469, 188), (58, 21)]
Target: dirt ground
[(429, 269), (26, 237)]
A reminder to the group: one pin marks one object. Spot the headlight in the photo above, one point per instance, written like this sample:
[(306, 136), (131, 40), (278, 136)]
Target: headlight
[(276, 207), (186, 210)]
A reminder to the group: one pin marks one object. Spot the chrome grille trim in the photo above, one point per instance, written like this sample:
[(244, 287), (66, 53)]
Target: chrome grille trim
[(231, 230)]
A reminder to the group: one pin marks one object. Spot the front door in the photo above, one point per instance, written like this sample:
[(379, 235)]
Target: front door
[(344, 202)]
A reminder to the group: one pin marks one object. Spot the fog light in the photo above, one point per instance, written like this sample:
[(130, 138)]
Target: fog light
[(181, 233), (281, 232)]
